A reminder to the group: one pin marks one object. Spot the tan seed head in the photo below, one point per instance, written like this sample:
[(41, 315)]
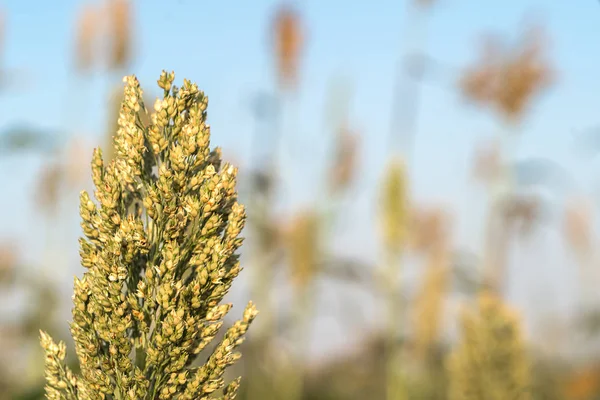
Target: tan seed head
[(85, 39), (288, 40)]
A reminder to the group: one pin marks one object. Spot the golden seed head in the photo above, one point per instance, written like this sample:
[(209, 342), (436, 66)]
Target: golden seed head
[(395, 206), (491, 352), (160, 255)]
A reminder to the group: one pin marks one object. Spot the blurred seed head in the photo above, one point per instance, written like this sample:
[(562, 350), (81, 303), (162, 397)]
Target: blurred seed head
[(76, 162), (8, 261), (478, 81), (583, 384), (522, 211), (424, 3), (491, 356), (303, 247), (428, 312), (395, 206), (263, 182), (429, 229), (272, 235), (48, 187), (525, 74), (507, 78), (577, 224), (87, 31), (345, 155), (488, 163), (119, 17), (288, 41)]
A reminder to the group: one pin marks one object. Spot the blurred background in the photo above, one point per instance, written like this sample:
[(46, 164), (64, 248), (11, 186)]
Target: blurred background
[(421, 178)]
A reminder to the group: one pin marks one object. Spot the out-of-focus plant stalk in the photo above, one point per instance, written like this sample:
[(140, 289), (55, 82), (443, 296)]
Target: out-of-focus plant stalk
[(262, 284), (429, 303), (577, 229), (265, 249), (498, 234), (410, 71), (305, 248), (505, 79), (394, 219), (287, 41), (301, 314), (395, 389), (264, 252), (404, 117), (309, 236)]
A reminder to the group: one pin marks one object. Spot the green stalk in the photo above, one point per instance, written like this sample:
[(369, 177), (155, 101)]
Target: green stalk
[(395, 388)]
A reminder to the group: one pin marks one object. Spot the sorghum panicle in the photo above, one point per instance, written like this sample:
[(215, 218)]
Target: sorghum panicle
[(159, 246), (491, 361)]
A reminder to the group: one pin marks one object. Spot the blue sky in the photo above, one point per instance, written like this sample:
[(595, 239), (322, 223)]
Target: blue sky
[(223, 47)]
